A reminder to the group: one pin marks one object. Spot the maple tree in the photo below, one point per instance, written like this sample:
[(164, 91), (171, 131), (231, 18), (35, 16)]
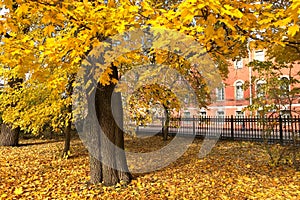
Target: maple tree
[(277, 79), (277, 90), (168, 88), (164, 78), (58, 36), (278, 24), (50, 39), (146, 97)]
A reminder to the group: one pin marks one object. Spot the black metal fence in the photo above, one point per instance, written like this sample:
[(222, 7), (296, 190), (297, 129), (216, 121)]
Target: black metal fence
[(279, 129)]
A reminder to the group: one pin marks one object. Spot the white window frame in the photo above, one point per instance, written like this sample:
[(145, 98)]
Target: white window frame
[(238, 63), (220, 90), (260, 94), (239, 113), (286, 114), (259, 55), (289, 86), (203, 113), (236, 90), (187, 114), (219, 115)]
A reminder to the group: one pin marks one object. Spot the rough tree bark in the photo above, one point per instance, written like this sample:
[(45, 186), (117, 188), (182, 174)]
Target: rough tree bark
[(113, 167), (95, 170), (121, 161), (67, 144), (9, 136), (68, 129), (94, 145)]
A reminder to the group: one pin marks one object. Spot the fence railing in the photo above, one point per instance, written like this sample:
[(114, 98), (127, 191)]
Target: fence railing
[(272, 129)]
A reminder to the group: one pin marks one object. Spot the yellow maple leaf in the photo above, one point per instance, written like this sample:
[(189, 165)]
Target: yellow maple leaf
[(18, 191), (292, 30), (48, 30)]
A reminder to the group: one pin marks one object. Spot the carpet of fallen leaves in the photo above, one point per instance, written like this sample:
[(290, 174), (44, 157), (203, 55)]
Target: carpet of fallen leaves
[(233, 170)]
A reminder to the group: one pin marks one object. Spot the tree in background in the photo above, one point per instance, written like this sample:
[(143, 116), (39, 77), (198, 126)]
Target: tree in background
[(277, 80), (9, 136), (275, 96), (146, 97), (163, 86)]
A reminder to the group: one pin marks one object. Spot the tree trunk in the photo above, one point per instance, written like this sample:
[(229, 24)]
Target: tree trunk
[(95, 170), (69, 92), (94, 146), (123, 172), (9, 136), (109, 113), (166, 125), (108, 126), (67, 140)]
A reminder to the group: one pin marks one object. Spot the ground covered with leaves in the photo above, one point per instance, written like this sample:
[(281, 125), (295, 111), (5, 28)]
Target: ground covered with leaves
[(233, 170)]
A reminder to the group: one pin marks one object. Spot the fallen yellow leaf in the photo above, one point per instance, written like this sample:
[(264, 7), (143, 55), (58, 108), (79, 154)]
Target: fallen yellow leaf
[(18, 191)]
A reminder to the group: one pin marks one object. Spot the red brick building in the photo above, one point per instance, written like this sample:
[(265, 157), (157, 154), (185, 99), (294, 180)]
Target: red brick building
[(232, 98)]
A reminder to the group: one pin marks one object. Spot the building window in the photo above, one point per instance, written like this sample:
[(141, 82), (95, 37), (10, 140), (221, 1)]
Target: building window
[(220, 92), (238, 63), (220, 114), (285, 113), (187, 114), (260, 89), (240, 118), (239, 93), (259, 55), (203, 113), (239, 113), (284, 85)]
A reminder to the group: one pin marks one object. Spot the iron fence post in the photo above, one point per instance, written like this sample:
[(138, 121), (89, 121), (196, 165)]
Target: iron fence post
[(280, 130), (231, 127), (162, 124), (194, 131)]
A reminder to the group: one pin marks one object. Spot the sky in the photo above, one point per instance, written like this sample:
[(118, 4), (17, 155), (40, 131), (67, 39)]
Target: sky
[(3, 11)]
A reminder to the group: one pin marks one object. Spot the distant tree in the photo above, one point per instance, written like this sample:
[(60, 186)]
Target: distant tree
[(277, 90), (9, 134), (146, 97), (277, 79)]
